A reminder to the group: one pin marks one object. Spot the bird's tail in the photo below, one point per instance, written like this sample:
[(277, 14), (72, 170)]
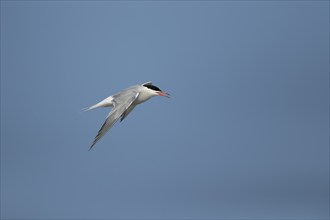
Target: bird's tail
[(88, 108), (104, 103)]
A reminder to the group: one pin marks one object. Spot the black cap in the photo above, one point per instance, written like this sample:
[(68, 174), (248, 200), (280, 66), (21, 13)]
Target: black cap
[(149, 86)]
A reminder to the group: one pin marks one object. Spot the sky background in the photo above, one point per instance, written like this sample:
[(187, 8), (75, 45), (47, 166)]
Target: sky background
[(244, 135)]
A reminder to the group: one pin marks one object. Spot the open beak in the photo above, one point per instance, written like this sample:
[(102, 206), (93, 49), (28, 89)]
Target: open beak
[(164, 94)]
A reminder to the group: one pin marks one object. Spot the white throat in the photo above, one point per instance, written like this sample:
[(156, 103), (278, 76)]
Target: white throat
[(144, 95)]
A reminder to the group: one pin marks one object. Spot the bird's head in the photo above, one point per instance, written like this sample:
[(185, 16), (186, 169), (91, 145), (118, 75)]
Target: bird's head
[(154, 90)]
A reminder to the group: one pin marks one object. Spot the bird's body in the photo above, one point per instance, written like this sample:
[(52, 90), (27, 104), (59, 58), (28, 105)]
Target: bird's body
[(123, 103)]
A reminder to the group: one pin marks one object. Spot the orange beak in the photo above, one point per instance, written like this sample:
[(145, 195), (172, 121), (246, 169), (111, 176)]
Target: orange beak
[(164, 94)]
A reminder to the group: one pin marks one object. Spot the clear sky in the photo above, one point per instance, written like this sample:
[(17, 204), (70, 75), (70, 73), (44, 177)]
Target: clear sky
[(245, 134)]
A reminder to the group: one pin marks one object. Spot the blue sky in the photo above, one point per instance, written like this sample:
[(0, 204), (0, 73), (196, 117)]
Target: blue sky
[(245, 134)]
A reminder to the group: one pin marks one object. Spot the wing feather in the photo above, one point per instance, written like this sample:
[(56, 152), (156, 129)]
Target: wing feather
[(122, 103)]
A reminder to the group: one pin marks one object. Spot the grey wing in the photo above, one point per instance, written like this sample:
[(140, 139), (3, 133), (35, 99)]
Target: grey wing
[(122, 103), (128, 110), (147, 83)]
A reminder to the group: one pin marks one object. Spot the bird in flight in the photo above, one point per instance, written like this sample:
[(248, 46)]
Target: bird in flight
[(123, 103)]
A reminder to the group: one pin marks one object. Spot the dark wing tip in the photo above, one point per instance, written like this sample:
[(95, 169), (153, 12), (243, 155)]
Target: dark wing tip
[(98, 136)]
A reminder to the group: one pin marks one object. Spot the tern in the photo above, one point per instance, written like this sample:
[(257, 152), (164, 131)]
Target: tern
[(123, 103)]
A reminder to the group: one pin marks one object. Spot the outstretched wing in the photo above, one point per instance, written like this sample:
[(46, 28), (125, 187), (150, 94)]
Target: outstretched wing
[(122, 106), (147, 83), (128, 110)]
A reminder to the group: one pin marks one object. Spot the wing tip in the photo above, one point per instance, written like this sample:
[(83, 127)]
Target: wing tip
[(90, 148), (147, 83)]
